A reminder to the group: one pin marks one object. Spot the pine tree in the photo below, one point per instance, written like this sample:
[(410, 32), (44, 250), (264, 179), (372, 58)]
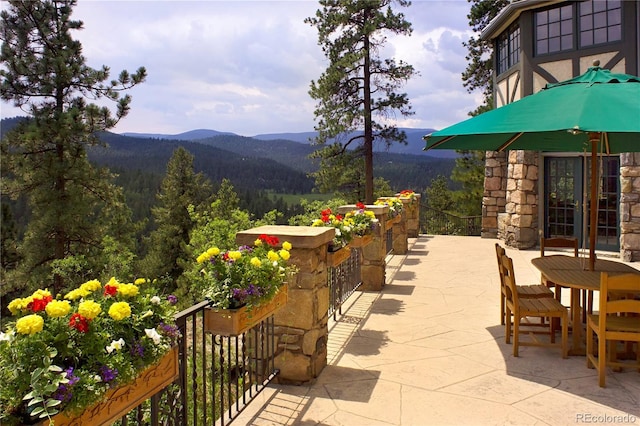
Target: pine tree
[(469, 168), (181, 190), (357, 92), (73, 204)]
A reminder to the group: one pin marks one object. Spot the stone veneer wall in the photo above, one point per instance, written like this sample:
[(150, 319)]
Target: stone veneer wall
[(495, 192), (521, 208), (301, 329), (630, 207)]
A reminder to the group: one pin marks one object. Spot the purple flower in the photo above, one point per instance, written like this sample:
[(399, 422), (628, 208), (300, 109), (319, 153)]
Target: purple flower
[(172, 299), (169, 330), (63, 393), (108, 374), (137, 350)]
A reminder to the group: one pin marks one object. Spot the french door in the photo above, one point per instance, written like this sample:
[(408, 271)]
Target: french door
[(564, 188)]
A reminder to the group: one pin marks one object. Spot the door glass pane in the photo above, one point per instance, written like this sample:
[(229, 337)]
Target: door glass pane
[(560, 197), (608, 235)]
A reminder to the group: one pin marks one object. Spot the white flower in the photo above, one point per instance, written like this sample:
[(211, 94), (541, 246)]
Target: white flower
[(152, 333), (7, 337), (155, 300), (116, 345)]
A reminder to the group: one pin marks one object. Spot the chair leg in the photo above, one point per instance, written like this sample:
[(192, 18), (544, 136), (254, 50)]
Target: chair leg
[(602, 360), (565, 335), (502, 309), (507, 337), (516, 334), (589, 338)]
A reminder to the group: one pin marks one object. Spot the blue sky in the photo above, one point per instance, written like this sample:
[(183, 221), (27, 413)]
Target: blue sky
[(246, 66)]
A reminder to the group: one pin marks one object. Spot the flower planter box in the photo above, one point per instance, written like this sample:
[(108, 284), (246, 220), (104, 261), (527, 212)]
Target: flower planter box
[(393, 221), (335, 258), (233, 322), (358, 242), (120, 400)]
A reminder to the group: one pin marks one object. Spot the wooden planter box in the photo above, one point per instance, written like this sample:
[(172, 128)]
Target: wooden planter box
[(393, 221), (119, 401), (359, 242), (335, 258), (233, 322)]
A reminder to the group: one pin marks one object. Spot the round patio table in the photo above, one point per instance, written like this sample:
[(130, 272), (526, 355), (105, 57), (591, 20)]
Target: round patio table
[(573, 272)]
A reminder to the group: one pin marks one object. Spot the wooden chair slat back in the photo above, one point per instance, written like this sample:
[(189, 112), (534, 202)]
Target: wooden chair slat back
[(621, 284), (556, 242), (509, 279)]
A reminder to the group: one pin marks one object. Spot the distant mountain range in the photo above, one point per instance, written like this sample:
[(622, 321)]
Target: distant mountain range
[(415, 143)]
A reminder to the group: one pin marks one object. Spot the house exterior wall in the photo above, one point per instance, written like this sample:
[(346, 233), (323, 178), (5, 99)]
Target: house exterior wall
[(517, 218)]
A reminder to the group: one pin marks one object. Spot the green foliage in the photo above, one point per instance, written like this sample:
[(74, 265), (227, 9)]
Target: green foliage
[(181, 189), (72, 203), (469, 171), (357, 91), (438, 195)]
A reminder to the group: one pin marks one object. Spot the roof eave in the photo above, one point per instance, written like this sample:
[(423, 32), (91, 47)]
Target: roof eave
[(509, 14)]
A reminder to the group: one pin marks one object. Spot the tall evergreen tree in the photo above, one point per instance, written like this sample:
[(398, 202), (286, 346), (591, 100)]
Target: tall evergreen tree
[(469, 168), (181, 189), (73, 204), (357, 92)]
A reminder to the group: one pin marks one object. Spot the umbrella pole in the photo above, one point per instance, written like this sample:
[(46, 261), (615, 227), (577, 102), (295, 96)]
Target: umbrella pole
[(594, 138)]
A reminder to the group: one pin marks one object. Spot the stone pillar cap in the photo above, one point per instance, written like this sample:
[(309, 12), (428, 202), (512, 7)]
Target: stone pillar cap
[(377, 210), (299, 236)]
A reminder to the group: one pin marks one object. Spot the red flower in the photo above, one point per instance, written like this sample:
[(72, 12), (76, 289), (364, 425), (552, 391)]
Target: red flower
[(338, 217), (79, 322), (269, 239), (110, 290), (360, 205), (39, 304), (326, 212)]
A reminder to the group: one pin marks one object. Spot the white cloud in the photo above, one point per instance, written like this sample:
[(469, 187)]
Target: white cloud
[(246, 66)]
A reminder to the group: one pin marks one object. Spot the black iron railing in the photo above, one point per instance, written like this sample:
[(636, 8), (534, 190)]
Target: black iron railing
[(343, 280), (436, 222), (219, 375), (389, 240)]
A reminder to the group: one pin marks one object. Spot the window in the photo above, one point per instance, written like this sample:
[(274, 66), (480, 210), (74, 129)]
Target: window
[(554, 30), (508, 49), (600, 22)]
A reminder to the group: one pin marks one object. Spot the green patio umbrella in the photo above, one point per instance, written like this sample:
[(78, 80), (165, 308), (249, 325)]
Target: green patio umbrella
[(596, 111)]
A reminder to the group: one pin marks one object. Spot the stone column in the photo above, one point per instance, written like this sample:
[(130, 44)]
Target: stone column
[(400, 235), (630, 207), (495, 192), (373, 263), (412, 212), (301, 325), (521, 221)]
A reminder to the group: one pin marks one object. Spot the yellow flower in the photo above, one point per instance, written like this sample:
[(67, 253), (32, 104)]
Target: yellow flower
[(256, 262), (257, 242), (202, 258), (19, 305), (369, 213), (128, 290), (213, 251), (113, 282), (317, 222), (41, 294), (89, 309), (30, 324), (58, 308), (141, 281), (119, 311), (273, 256), (284, 254), (286, 245), (92, 285), (76, 294), (235, 255)]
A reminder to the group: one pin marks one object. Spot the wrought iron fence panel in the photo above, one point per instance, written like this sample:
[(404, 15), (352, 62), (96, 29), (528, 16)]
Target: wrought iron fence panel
[(436, 222), (218, 375), (343, 281)]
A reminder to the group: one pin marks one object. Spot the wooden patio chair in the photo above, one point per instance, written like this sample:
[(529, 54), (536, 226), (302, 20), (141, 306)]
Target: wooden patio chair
[(571, 244), (617, 320), (525, 291), (523, 308)]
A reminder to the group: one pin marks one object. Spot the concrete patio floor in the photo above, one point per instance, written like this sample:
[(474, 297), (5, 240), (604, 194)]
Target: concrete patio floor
[(429, 350)]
